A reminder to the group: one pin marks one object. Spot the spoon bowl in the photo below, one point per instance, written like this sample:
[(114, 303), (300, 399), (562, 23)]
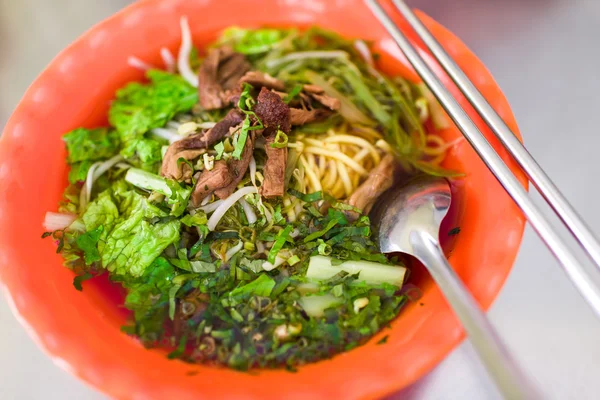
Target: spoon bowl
[(421, 204), (407, 219)]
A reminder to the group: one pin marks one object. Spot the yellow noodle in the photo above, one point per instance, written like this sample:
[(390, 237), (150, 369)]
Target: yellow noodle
[(330, 179), (358, 157), (298, 173), (311, 161), (338, 189), (312, 178), (338, 156), (314, 142), (296, 145), (345, 178), (355, 180), (322, 164), (385, 146), (362, 143)]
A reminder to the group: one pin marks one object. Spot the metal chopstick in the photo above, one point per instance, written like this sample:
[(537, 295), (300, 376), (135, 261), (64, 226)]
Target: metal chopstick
[(574, 268), (564, 210)]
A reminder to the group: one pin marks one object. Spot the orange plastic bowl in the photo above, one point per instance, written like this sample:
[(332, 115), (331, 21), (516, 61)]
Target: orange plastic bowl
[(80, 330)]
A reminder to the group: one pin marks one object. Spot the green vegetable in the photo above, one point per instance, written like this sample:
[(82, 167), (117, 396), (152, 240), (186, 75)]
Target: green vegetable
[(101, 212), (321, 268), (315, 306), (138, 108), (241, 140), (282, 237), (293, 93), (247, 41), (148, 181), (91, 144), (149, 153), (79, 171), (198, 219), (307, 198), (219, 148), (178, 194), (134, 243), (88, 243), (261, 286), (245, 104), (280, 141)]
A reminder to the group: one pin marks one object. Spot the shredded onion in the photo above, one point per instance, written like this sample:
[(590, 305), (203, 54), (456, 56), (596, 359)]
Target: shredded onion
[(58, 221), (268, 214), (206, 125), (86, 190), (173, 125), (96, 171), (168, 59), (227, 204), (252, 167), (212, 206), (139, 64), (233, 251), (250, 214), (267, 266), (206, 200), (106, 165), (183, 59), (167, 134)]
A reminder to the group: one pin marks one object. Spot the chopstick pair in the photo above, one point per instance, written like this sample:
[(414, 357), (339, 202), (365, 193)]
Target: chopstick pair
[(572, 265)]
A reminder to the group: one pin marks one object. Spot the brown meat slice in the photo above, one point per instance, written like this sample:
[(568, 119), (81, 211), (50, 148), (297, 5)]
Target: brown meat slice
[(317, 93), (259, 79), (330, 102), (212, 180), (193, 145), (299, 116), (272, 111), (238, 168), (274, 114), (219, 75), (222, 128), (170, 168), (274, 183), (379, 180), (313, 89)]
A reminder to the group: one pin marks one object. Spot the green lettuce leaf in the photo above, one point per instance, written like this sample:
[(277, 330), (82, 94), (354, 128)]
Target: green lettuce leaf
[(101, 212), (135, 242), (139, 108), (91, 144), (88, 243), (79, 170), (149, 153), (253, 41), (148, 298)]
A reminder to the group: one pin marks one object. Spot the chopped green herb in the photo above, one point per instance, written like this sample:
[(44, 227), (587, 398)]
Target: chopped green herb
[(282, 237)]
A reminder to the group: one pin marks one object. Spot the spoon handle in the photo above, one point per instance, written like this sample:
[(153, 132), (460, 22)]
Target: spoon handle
[(494, 355)]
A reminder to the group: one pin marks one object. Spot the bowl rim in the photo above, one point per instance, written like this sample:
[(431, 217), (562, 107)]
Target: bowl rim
[(24, 108)]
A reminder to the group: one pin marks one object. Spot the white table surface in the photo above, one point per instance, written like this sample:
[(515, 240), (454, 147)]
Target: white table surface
[(544, 54)]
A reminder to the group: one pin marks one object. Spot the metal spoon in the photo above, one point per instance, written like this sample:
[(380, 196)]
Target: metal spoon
[(407, 220)]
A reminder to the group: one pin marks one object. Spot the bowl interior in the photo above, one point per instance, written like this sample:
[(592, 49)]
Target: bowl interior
[(80, 330)]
